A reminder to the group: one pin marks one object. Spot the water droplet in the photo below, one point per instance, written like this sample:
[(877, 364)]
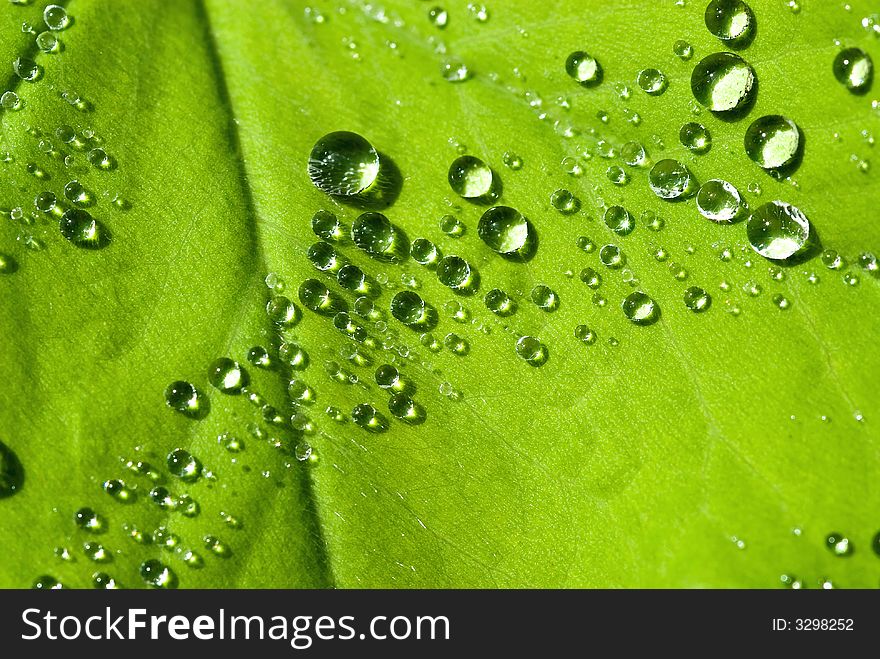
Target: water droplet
[(455, 71), (591, 278), (119, 490), (216, 546), (55, 17), (695, 137), (730, 20), (851, 279), (723, 82), (406, 409), (619, 220), (183, 397), (45, 582), (531, 350), (500, 303), (640, 308), (410, 309), (832, 259), (683, 50), (96, 552), (424, 252), (583, 68), (838, 544), (26, 68), (616, 175), (317, 297), (772, 141), (83, 230), (438, 16), (652, 81), (100, 159), (697, 299), (47, 42), (343, 163), (719, 201), (611, 256), (88, 520), (669, 179), (781, 301), (11, 472), (868, 262), (227, 375), (184, 465), (777, 230), (457, 274), (545, 298), (564, 201), (374, 233), (512, 160), (452, 226), (10, 101), (470, 177), (77, 194), (369, 418), (584, 334), (325, 258), (633, 154), (854, 69), (327, 226), (158, 575)]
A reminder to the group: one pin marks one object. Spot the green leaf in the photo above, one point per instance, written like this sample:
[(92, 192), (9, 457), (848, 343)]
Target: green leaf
[(683, 456)]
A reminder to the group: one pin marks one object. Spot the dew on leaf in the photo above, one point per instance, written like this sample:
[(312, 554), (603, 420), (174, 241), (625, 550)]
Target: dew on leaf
[(343, 163), (377, 236), (424, 252), (777, 230), (730, 20), (772, 141), (616, 175), (854, 69), (512, 160), (652, 81), (227, 375), (455, 71), (545, 298), (26, 68), (103, 581), (11, 472), (683, 50), (531, 350), (438, 16), (76, 193), (563, 201), (723, 82), (369, 418), (56, 17), (9, 100), (457, 274), (640, 308), (585, 244), (633, 154), (838, 544), (719, 201), (300, 392), (118, 489), (851, 279), (184, 465), (410, 309), (88, 520), (781, 301), (697, 299), (832, 259), (670, 179), (47, 42), (158, 575), (451, 226), (318, 298), (583, 68), (327, 226), (100, 159), (611, 256), (619, 220), (282, 311), (325, 258), (695, 137), (183, 397), (499, 302), (404, 408), (46, 582), (83, 230), (470, 178)]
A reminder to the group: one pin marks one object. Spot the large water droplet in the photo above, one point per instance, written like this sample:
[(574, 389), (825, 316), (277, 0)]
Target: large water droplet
[(854, 69), (316, 296), (611, 256), (772, 141), (374, 233), (325, 258), (81, 229), (88, 520), (55, 17), (583, 68), (26, 68), (410, 309), (406, 409), (183, 397), (719, 201), (506, 231), (652, 81), (730, 20), (369, 418), (545, 298), (640, 308), (470, 177), (723, 82), (777, 230), (500, 303), (669, 179), (343, 163), (697, 299)]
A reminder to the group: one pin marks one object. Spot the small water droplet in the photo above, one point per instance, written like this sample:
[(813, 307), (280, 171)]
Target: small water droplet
[(227, 375), (583, 68), (683, 50), (158, 575), (652, 81), (719, 201), (640, 308), (838, 544), (697, 299), (512, 160), (184, 465), (470, 178), (611, 256), (531, 350), (670, 179)]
